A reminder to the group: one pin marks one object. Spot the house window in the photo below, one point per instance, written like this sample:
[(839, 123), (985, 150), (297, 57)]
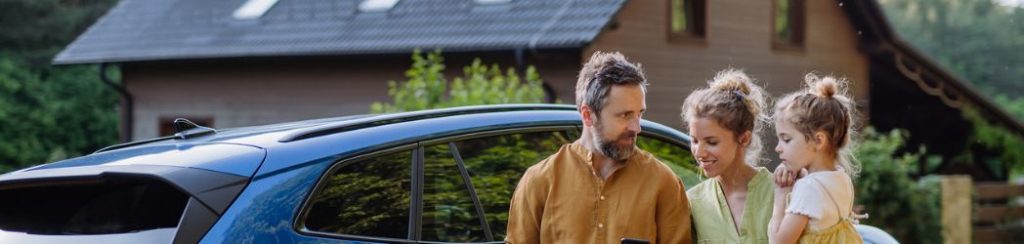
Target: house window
[(788, 24), (167, 123), (687, 19)]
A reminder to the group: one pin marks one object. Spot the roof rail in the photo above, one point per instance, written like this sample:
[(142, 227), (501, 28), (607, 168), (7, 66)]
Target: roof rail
[(385, 119), (183, 129), (134, 143)]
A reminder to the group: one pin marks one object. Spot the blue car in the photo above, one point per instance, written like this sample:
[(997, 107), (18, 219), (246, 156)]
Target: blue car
[(435, 176)]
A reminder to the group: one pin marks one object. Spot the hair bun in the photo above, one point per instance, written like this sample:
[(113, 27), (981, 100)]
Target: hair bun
[(731, 80), (825, 86)]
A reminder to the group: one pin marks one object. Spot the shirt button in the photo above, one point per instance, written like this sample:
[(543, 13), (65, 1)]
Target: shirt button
[(600, 225), (602, 198)]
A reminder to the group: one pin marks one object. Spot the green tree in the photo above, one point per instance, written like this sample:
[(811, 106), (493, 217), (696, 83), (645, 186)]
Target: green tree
[(35, 30), (979, 40), (427, 88), (49, 113), (52, 118)]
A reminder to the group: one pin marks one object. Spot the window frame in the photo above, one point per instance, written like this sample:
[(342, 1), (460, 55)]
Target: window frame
[(688, 35), (798, 37)]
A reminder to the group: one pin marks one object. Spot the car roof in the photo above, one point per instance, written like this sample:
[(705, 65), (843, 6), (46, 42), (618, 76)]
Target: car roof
[(289, 144), (299, 130)]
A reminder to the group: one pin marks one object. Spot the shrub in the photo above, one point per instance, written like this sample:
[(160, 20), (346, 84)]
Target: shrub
[(906, 209)]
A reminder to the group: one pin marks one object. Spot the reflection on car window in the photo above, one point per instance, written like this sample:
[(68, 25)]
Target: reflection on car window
[(368, 197), (449, 214), (496, 163), (677, 157)]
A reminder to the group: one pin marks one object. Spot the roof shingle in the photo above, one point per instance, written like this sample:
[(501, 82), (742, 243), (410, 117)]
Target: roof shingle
[(146, 30)]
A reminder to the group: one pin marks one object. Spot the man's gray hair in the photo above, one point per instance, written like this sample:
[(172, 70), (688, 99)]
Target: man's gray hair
[(600, 73)]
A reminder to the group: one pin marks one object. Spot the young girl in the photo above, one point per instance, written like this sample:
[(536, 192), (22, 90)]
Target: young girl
[(814, 127), (734, 204)]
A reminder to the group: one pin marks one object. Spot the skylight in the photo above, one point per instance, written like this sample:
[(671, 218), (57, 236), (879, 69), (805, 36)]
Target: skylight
[(377, 5), (253, 9), (489, 2)]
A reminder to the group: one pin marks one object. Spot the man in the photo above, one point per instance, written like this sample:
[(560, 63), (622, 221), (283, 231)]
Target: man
[(602, 188)]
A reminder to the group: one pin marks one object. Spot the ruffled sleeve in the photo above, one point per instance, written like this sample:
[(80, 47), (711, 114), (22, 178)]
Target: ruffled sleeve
[(806, 199)]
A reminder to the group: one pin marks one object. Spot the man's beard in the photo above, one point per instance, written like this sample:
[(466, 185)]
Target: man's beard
[(610, 149)]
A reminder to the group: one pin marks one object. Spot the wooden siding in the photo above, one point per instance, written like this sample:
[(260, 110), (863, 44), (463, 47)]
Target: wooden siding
[(739, 36), (238, 93)]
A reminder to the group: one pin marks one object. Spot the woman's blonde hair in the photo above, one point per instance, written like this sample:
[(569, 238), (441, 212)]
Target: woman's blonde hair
[(734, 101), (824, 105)]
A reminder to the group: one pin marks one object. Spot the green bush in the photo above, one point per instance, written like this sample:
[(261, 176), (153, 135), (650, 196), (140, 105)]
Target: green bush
[(907, 209), (427, 88)]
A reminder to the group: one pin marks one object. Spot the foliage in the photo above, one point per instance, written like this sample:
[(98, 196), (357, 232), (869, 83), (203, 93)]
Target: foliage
[(1015, 106), (43, 119), (427, 88), (49, 113), (995, 138), (35, 30), (980, 40), (906, 209), (678, 159)]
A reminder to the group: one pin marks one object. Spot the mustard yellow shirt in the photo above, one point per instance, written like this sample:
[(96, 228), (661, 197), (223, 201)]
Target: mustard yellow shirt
[(562, 200), (712, 218)]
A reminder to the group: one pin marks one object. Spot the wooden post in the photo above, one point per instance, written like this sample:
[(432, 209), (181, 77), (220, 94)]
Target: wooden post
[(956, 208)]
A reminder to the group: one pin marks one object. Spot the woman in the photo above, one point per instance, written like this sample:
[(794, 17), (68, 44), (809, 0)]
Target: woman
[(734, 204)]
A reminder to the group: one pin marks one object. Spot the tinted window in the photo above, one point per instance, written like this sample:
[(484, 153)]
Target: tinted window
[(676, 156), (496, 163), (449, 214), (368, 197), (102, 206)]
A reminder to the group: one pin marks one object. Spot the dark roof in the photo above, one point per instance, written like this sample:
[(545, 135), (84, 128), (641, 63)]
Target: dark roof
[(146, 30), (881, 39)]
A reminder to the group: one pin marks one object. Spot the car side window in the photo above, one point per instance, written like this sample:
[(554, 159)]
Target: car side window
[(449, 214), (676, 156), (365, 197), (496, 163)]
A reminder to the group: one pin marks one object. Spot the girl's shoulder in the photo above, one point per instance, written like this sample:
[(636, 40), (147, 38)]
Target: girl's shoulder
[(828, 178), (834, 183)]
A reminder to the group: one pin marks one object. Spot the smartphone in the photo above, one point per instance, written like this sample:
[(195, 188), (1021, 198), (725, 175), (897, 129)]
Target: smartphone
[(634, 241)]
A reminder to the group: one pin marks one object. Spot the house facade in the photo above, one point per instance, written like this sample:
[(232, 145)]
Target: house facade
[(240, 63)]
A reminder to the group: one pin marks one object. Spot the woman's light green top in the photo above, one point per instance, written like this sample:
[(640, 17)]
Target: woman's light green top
[(712, 218)]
